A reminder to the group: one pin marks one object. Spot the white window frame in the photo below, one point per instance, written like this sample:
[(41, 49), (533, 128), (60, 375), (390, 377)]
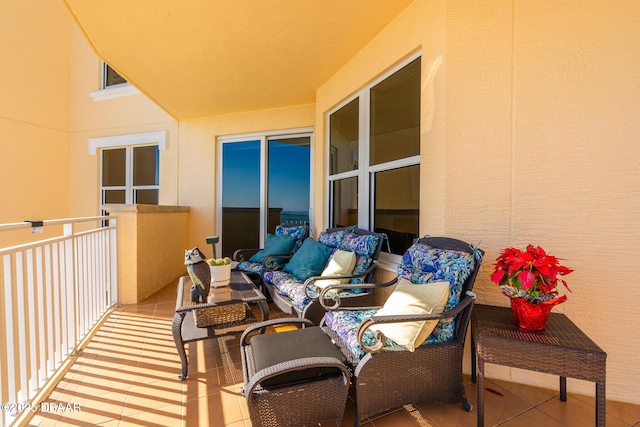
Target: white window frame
[(111, 92), (365, 172), (130, 141), (263, 137)]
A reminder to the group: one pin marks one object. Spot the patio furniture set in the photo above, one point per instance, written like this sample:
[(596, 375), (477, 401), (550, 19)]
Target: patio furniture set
[(408, 351)]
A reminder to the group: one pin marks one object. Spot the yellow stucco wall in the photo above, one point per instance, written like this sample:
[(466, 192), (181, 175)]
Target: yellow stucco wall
[(199, 158), (111, 117), (34, 112), (529, 135)]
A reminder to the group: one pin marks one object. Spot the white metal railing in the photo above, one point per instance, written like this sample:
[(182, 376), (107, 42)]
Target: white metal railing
[(52, 292)]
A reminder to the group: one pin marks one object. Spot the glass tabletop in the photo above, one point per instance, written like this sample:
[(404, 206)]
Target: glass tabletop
[(240, 289)]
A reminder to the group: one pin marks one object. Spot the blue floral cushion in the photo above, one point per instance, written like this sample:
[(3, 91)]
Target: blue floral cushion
[(420, 264), (251, 267), (423, 264), (364, 246), (345, 324), (297, 232)]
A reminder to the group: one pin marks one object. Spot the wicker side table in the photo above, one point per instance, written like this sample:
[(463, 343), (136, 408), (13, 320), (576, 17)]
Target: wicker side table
[(560, 349)]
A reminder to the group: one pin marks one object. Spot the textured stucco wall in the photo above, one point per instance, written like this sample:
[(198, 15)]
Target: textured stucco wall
[(34, 112), (529, 135), (199, 151), (151, 244)]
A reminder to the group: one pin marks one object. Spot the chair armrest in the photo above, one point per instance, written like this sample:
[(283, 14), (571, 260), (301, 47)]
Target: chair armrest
[(293, 365), (273, 322), (239, 254), (381, 339), (269, 261), (311, 281)]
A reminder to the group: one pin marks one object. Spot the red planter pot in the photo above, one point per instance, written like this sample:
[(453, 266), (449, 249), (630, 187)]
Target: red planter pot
[(528, 315)]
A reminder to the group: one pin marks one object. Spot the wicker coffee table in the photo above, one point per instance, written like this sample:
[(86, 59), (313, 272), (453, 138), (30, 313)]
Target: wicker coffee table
[(229, 313), (560, 349)]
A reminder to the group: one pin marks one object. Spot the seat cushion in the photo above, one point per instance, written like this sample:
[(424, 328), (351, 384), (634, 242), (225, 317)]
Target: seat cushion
[(271, 349), (251, 267)]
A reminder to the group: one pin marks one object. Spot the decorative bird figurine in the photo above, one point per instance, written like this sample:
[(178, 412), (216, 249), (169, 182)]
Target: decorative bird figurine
[(199, 273)]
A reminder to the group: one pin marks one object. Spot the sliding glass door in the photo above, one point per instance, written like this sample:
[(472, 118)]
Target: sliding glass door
[(264, 181)]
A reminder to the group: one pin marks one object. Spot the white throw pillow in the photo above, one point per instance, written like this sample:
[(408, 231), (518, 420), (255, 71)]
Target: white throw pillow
[(340, 263), (408, 298)]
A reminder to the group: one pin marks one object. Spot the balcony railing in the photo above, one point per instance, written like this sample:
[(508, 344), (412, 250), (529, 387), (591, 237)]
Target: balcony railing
[(52, 293)]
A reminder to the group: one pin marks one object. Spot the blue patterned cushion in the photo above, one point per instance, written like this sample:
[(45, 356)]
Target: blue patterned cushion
[(345, 324), (333, 239), (363, 245), (423, 264), (297, 232), (420, 264), (251, 267)]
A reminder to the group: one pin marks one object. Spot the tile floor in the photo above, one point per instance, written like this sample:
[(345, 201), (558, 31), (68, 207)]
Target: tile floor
[(128, 376)]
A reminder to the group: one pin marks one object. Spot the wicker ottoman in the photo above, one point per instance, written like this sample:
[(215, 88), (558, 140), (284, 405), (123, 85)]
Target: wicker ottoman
[(293, 378)]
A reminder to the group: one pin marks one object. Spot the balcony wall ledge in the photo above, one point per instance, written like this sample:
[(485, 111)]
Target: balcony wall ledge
[(112, 208), (151, 244)]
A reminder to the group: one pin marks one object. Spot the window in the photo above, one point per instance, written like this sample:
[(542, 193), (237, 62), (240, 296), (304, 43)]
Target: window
[(374, 158), (265, 180), (110, 77), (112, 85), (130, 175)]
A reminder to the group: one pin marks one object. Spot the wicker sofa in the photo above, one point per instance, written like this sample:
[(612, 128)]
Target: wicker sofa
[(297, 293)]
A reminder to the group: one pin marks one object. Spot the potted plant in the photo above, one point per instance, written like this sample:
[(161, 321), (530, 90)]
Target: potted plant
[(220, 271), (530, 279)]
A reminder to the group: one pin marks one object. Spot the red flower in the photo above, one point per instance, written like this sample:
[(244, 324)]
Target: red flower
[(531, 274)]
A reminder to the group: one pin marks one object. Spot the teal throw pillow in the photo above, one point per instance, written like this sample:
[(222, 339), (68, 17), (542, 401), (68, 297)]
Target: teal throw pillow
[(280, 244), (309, 260)]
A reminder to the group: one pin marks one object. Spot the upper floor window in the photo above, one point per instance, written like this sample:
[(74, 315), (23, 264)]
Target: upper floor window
[(374, 157), (110, 77), (112, 85)]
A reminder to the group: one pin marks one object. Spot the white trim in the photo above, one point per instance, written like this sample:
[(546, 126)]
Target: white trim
[(118, 91), (158, 138), (289, 133), (263, 138)]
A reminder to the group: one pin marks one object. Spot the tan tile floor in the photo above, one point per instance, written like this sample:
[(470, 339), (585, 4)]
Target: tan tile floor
[(128, 376)]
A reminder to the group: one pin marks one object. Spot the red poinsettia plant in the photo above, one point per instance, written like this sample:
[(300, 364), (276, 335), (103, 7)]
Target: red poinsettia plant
[(531, 274)]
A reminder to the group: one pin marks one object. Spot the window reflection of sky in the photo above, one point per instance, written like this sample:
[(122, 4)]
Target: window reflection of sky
[(289, 179)]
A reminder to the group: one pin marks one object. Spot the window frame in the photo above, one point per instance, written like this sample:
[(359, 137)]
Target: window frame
[(131, 141), (365, 172), (263, 138), (110, 92)]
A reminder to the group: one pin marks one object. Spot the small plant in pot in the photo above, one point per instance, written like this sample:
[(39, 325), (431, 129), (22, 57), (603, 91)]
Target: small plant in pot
[(530, 278), (220, 271)]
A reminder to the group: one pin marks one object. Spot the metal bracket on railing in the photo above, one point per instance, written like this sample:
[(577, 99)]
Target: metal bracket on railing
[(36, 226)]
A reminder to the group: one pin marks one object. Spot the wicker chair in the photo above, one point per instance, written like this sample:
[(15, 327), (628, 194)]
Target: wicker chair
[(293, 378), (386, 376), (300, 296)]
